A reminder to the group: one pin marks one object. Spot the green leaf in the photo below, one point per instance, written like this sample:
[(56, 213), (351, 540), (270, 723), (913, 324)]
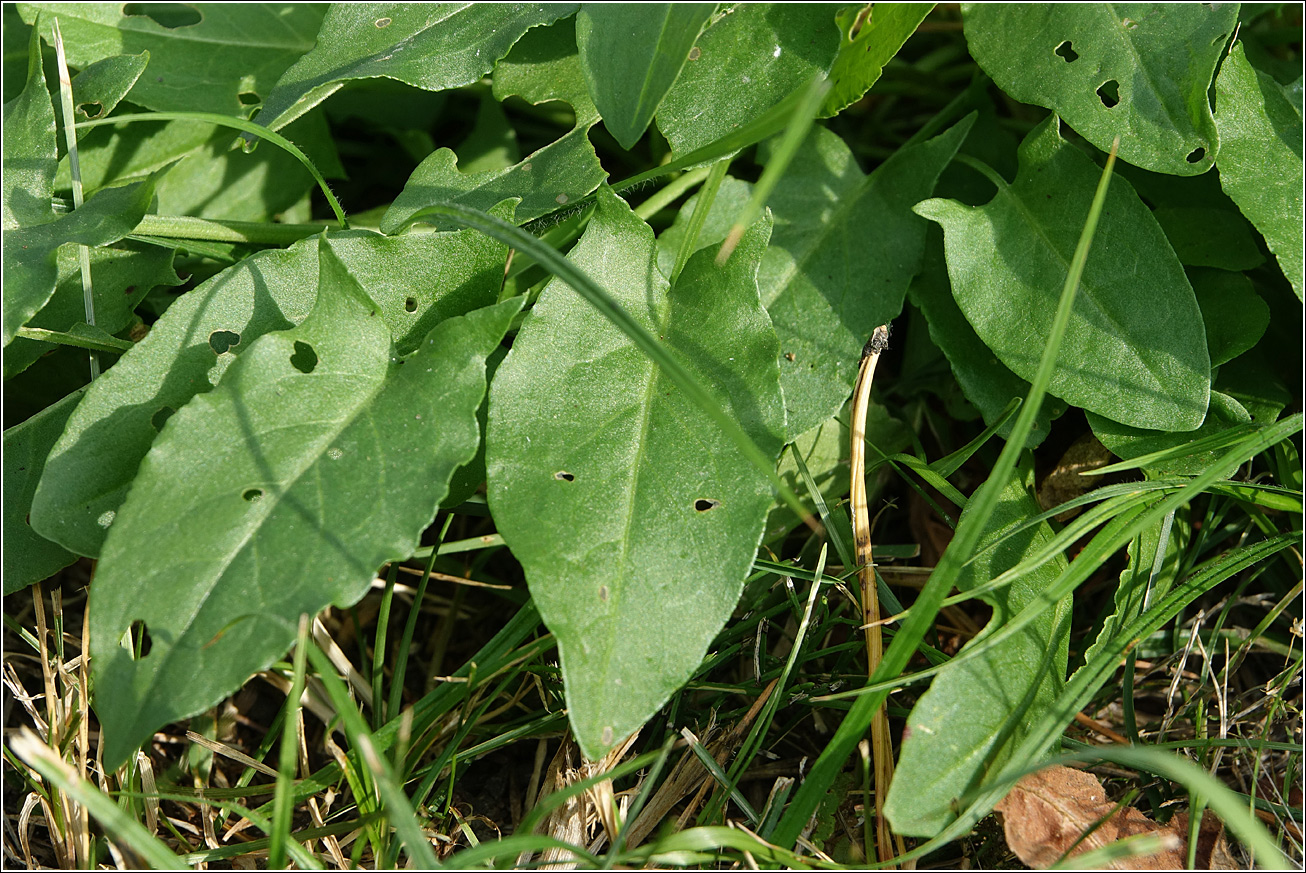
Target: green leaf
[(631, 54), (1138, 359), (219, 553), (30, 157), (28, 556), (1128, 442), (99, 88), (123, 274), (81, 335), (1261, 158), (977, 712), (120, 152), (234, 50), (986, 381), (1137, 71), (31, 252), (1203, 225), (1142, 580), (862, 56), (1234, 314), (543, 66), (845, 249), (636, 519), (1247, 391), (1256, 383), (29, 150), (754, 56), (193, 343), (1203, 237), (217, 181), (433, 46), (731, 199), (492, 144)]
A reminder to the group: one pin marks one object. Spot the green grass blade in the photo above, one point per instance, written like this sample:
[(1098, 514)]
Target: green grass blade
[(399, 812), (913, 630), (706, 196), (239, 124), (800, 122), (283, 807), (1084, 683), (116, 821)]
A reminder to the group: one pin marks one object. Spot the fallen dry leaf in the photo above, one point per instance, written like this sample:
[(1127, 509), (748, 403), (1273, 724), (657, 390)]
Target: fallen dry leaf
[(1049, 811), (1065, 482)]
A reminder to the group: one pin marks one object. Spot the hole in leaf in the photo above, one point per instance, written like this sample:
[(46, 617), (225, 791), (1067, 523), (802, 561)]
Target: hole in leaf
[(410, 305), (1109, 93), (383, 22), (1067, 52), (695, 53), (249, 98), (222, 341), (140, 639), (157, 419), (564, 476), (1196, 155), (603, 593), (169, 15), (252, 495), (703, 504), (304, 359), (91, 110)]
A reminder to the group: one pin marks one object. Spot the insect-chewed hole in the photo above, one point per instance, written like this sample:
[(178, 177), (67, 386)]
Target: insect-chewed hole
[(1109, 93), (1196, 155), (304, 359), (249, 98), (169, 15), (564, 476), (140, 638), (695, 53), (253, 495), (410, 305), (158, 419), (604, 594), (223, 340), (703, 504), (383, 22), (1066, 52), (93, 109)]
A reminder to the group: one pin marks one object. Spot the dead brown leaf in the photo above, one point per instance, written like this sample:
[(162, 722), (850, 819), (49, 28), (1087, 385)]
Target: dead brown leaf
[(1048, 812), (1065, 482)]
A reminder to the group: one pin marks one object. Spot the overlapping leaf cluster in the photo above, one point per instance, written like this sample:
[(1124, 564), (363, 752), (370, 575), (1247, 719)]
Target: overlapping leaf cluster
[(294, 421)]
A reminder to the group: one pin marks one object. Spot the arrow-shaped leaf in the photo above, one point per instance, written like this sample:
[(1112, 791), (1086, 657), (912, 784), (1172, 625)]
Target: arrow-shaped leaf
[(635, 518), (276, 494)]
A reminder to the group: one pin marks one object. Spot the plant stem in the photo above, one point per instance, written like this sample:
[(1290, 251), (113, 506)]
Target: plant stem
[(881, 743)]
